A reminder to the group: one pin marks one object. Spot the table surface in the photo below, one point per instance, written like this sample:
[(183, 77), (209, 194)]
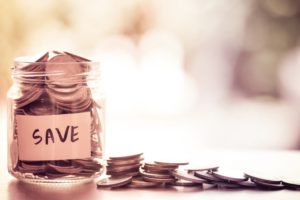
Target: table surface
[(281, 162)]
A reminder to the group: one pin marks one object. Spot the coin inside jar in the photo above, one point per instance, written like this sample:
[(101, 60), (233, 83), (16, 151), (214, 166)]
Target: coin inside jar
[(57, 119)]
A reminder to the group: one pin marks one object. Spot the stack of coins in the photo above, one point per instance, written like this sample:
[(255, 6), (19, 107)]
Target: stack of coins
[(175, 174), (57, 84), (120, 166)]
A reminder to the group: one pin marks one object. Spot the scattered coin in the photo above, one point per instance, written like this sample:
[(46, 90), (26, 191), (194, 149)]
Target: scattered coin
[(191, 168), (126, 157), (206, 176), (184, 183), (114, 182), (159, 180), (138, 183), (171, 163), (229, 175), (187, 177), (268, 186), (222, 185), (154, 175), (291, 183), (247, 184), (124, 162), (262, 177)]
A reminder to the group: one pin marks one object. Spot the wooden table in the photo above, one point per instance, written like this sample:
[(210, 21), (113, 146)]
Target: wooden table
[(285, 162)]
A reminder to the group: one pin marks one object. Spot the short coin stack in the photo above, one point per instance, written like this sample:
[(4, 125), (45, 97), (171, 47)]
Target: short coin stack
[(175, 174)]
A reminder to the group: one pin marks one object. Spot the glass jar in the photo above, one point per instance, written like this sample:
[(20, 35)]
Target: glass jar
[(56, 119)]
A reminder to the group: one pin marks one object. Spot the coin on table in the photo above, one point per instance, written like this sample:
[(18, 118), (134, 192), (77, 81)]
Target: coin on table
[(193, 168), (159, 180), (182, 175), (171, 163), (114, 182), (206, 176), (154, 175), (123, 168), (291, 183), (229, 175), (124, 174), (247, 184), (263, 177), (222, 185), (184, 183), (124, 162), (139, 183), (126, 157), (268, 186), (155, 166)]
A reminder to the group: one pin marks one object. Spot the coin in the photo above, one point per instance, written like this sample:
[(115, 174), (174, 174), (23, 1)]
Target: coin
[(170, 163), (262, 177), (268, 186), (291, 183), (222, 185), (123, 168), (193, 168), (114, 182), (187, 177), (139, 183), (184, 183), (155, 166), (153, 175), (126, 157), (159, 180), (229, 175), (247, 184), (204, 175), (124, 162)]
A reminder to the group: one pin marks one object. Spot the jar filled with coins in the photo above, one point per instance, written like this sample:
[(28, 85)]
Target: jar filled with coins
[(56, 119)]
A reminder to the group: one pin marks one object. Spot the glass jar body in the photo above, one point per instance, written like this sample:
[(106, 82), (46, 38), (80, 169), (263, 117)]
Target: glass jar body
[(56, 126)]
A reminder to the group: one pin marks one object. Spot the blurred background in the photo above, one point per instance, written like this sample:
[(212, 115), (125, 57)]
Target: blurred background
[(178, 74)]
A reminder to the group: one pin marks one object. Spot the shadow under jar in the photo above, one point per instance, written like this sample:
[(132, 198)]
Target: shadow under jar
[(56, 119)]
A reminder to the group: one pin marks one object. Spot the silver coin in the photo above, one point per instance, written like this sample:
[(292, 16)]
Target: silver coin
[(247, 184), (123, 168), (124, 162), (229, 175), (291, 183), (171, 163), (126, 157), (124, 174), (268, 186), (156, 166), (138, 183), (187, 177), (262, 177), (204, 175), (184, 183), (193, 168), (153, 175), (114, 182), (159, 180), (222, 185)]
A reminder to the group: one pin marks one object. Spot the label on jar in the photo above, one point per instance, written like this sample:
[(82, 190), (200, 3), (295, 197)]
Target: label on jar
[(54, 137)]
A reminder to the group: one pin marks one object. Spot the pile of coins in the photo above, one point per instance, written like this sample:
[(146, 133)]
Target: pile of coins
[(174, 174), (55, 84)]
